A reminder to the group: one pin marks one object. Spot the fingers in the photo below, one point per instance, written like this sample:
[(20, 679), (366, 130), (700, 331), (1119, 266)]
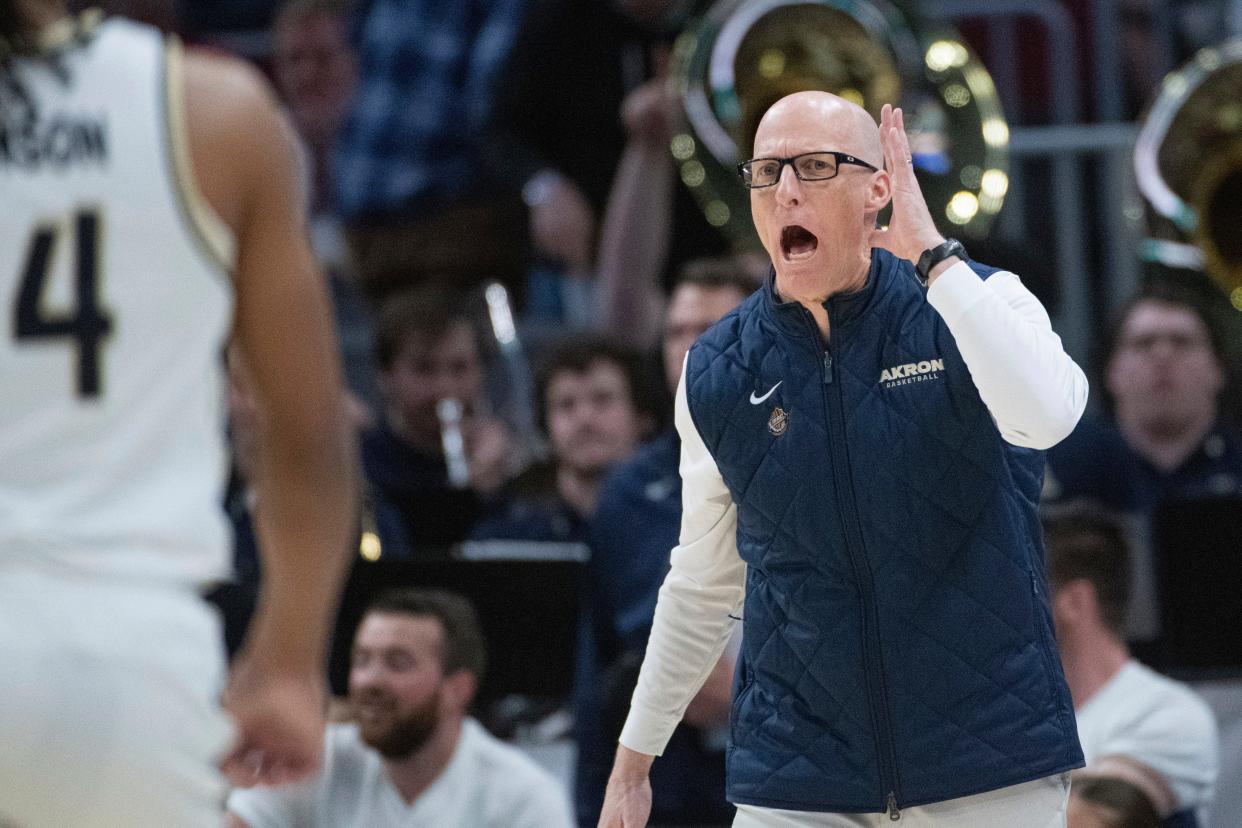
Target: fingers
[(902, 140), (248, 765)]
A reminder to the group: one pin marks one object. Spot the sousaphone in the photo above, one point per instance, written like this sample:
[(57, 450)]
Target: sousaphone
[(741, 56)]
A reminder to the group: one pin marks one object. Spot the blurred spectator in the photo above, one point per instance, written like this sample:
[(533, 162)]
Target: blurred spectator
[(428, 351), (411, 187), (640, 505), (1123, 708), (594, 402), (636, 526), (315, 70), (558, 130), (1116, 797), (1164, 374), (412, 756)]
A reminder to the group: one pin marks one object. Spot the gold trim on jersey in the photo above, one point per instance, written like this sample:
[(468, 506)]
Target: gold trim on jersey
[(213, 235)]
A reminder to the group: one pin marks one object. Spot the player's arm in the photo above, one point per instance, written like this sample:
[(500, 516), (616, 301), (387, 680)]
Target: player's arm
[(245, 161)]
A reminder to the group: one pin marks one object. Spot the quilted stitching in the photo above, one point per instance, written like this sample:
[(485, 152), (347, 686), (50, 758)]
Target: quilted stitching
[(946, 542)]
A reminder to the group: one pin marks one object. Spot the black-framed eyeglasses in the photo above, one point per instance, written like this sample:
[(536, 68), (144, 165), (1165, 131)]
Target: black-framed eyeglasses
[(809, 166)]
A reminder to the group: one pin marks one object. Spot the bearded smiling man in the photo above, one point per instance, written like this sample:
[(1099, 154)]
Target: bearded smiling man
[(412, 757), (879, 539)]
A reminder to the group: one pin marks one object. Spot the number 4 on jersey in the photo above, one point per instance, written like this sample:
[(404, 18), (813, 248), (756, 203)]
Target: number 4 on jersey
[(86, 325)]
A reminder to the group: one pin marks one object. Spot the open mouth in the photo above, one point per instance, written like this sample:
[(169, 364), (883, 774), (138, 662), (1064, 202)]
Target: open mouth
[(797, 242)]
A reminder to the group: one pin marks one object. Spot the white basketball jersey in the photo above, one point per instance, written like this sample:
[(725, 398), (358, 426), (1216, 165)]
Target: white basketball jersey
[(116, 302)]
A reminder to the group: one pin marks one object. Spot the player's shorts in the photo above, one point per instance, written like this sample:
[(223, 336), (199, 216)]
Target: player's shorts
[(109, 710)]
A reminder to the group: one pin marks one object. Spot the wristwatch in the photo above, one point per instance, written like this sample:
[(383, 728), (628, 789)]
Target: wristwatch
[(935, 255)]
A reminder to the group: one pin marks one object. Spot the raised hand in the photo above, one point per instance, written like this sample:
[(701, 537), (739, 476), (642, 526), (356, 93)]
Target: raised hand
[(911, 230)]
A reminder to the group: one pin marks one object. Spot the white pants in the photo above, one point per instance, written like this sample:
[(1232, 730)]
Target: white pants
[(108, 703), (1037, 804)]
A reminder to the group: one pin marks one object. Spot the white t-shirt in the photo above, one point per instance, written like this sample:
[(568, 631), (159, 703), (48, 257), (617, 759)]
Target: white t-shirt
[(1159, 722), (487, 784)]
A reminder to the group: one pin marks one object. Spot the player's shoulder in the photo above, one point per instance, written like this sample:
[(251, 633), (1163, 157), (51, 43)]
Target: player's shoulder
[(231, 88)]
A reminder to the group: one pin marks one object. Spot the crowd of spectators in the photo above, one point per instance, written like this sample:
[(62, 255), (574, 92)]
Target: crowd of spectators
[(451, 147)]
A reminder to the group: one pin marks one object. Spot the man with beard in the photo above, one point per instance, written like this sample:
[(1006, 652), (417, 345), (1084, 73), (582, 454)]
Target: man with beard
[(412, 757)]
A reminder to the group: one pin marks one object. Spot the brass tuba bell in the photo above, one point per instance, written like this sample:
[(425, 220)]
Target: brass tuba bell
[(742, 56), (1188, 164)]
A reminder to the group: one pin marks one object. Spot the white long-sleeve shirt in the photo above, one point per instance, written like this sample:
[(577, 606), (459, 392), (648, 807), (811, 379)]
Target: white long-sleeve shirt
[(998, 324)]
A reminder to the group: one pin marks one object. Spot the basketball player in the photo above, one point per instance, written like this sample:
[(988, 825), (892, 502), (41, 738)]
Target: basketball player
[(151, 208)]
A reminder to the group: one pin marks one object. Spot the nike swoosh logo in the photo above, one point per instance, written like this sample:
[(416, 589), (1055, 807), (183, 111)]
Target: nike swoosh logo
[(756, 400)]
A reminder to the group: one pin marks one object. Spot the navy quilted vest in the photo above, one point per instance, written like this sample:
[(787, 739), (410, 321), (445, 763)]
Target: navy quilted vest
[(898, 645)]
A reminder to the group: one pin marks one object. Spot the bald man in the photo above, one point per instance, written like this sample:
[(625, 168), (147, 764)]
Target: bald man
[(862, 451)]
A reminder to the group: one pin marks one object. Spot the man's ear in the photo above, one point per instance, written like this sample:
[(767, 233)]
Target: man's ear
[(879, 191), (1076, 601), (459, 690)]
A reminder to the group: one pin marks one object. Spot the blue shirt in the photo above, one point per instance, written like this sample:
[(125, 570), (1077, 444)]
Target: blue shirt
[(1095, 462), (411, 141)]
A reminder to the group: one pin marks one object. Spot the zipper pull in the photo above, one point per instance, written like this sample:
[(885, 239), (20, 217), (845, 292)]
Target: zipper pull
[(894, 815), (827, 368)]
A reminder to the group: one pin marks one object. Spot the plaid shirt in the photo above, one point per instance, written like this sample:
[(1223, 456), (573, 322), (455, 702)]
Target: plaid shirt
[(412, 139)]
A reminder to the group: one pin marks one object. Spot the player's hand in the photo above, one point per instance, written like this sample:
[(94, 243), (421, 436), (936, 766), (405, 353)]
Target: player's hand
[(911, 230), (627, 803), (280, 723)]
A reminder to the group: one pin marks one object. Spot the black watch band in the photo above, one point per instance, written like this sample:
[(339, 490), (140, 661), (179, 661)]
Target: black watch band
[(935, 255)]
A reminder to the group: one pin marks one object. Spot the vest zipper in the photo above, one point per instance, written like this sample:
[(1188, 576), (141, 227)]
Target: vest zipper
[(877, 691)]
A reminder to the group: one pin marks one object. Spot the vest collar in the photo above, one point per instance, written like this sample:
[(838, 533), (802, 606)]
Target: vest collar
[(793, 319)]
